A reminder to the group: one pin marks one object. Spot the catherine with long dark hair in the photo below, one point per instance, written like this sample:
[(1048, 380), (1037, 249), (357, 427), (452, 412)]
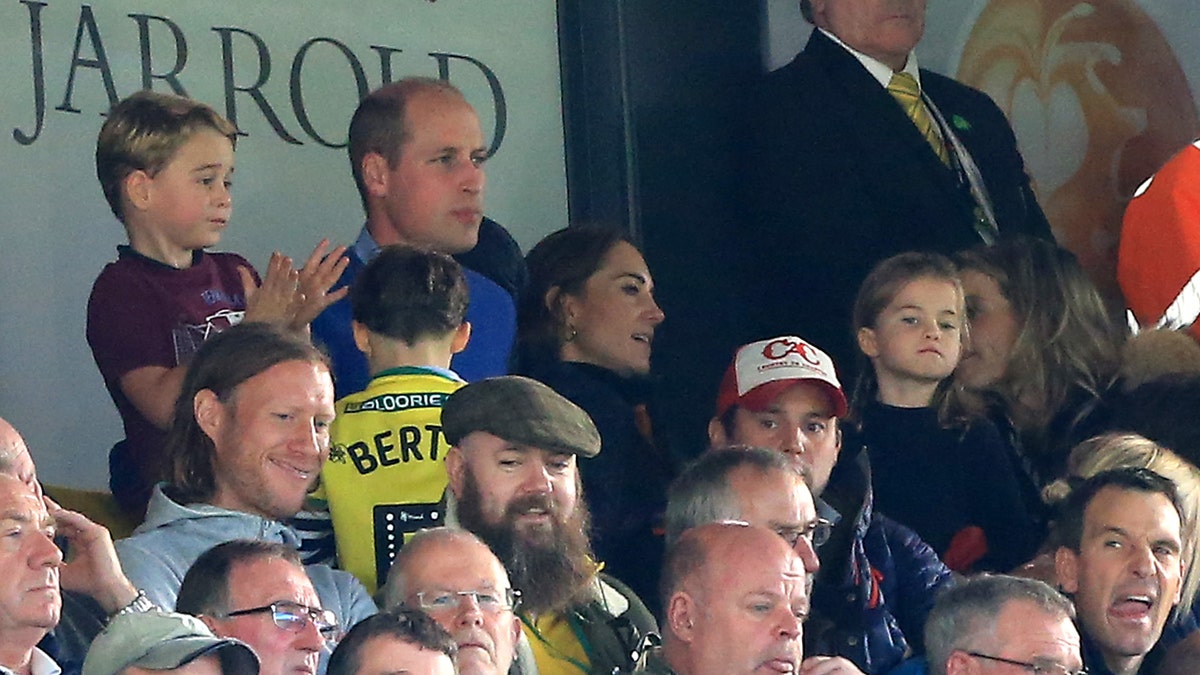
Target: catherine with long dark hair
[(586, 327)]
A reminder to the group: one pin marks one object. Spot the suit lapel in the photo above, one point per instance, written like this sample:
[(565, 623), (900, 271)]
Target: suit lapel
[(887, 143)]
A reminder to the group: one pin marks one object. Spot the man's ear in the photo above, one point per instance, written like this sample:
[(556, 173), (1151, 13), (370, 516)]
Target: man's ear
[(1183, 568), (960, 663), (1066, 569), (716, 434), (212, 624), (209, 411), (516, 629), (681, 616), (455, 470), (375, 174), (818, 10), (867, 343), (462, 337)]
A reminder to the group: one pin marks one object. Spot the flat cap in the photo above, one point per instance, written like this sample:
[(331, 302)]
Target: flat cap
[(522, 411), (162, 641)]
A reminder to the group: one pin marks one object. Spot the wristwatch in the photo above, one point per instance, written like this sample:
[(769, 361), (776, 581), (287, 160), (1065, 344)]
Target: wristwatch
[(138, 605)]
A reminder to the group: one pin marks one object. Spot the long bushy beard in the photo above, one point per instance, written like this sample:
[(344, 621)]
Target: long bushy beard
[(551, 566)]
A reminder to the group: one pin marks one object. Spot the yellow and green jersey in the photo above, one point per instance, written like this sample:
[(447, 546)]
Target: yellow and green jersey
[(385, 475)]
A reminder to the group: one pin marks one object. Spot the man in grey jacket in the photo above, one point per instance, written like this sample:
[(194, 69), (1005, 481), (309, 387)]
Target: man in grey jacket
[(249, 437)]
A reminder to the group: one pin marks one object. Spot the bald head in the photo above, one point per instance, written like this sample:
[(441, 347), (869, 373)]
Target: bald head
[(434, 546), (458, 581), (735, 600), (714, 550), (15, 459)]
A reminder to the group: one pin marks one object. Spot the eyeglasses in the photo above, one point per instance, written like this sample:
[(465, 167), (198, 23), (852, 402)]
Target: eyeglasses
[(489, 602), (816, 534), (1036, 667), (294, 617)]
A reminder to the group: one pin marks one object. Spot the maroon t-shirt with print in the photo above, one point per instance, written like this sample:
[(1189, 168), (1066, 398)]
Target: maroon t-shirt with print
[(144, 313)]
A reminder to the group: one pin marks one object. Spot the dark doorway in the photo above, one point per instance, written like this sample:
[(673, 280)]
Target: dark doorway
[(651, 95)]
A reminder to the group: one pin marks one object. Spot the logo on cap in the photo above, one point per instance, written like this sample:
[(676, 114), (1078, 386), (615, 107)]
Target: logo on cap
[(782, 347)]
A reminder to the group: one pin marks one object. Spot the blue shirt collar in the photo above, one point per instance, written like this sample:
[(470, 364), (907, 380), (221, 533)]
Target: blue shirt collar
[(365, 247)]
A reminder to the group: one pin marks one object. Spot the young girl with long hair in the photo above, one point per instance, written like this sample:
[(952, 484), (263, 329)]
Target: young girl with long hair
[(935, 467)]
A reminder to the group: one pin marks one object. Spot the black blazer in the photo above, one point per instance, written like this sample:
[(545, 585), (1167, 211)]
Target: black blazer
[(838, 178)]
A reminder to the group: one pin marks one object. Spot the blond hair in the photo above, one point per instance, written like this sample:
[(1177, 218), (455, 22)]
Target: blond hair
[(143, 132), (1067, 342)]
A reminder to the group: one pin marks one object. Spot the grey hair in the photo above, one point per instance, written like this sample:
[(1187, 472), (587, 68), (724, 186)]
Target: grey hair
[(966, 612), (702, 494), (11, 446), (395, 591), (806, 10)]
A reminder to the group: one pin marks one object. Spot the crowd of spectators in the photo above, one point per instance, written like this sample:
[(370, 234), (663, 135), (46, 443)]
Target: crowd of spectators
[(334, 471)]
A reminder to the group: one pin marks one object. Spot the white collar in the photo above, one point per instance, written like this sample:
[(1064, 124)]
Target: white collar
[(878, 69), (39, 664)]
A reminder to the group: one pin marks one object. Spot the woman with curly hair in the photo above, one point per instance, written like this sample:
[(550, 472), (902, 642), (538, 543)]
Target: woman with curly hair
[(1044, 351)]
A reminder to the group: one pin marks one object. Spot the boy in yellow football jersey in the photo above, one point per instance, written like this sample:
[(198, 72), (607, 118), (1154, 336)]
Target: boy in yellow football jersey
[(385, 474)]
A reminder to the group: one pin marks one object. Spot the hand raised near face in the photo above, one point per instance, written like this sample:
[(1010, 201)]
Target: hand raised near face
[(320, 272), (92, 566)]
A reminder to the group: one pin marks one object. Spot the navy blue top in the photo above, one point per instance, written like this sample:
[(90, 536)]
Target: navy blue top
[(940, 480), (492, 314)]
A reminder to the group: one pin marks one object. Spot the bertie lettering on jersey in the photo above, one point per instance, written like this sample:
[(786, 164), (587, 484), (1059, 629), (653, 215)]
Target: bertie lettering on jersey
[(389, 448), (396, 402)]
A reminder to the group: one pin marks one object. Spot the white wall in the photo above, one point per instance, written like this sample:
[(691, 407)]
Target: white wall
[(56, 231), (949, 23)]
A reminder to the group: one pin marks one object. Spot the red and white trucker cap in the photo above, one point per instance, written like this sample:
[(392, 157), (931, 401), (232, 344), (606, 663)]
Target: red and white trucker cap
[(762, 370)]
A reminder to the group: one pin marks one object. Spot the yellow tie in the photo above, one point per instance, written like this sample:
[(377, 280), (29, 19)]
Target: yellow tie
[(903, 87)]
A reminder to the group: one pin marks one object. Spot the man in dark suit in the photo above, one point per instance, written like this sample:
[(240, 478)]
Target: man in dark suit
[(840, 175)]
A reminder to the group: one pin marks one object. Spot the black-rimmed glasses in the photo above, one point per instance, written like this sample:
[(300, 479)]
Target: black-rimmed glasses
[(1036, 667), (294, 617), (489, 601), (816, 533)]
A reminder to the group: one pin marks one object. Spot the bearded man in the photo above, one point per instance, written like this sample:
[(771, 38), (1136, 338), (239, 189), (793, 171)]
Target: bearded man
[(513, 482)]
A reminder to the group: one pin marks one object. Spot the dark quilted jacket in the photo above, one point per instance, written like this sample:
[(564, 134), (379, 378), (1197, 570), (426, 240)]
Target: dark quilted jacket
[(877, 579)]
